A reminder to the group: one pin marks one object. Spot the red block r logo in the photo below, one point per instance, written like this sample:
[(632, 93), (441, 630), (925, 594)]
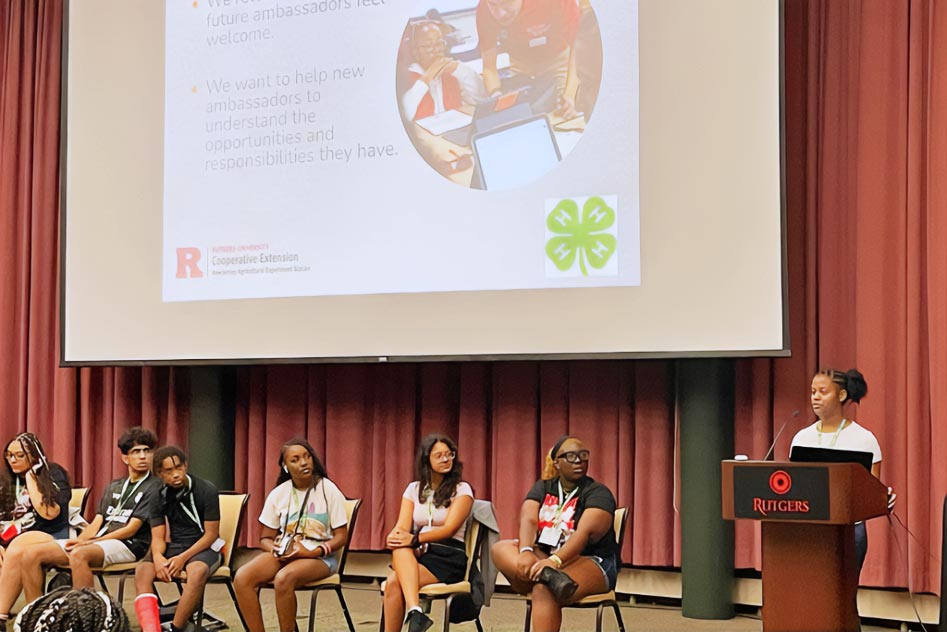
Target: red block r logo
[(187, 263)]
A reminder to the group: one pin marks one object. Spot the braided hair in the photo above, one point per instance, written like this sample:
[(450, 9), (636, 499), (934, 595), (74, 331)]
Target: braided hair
[(36, 456), (851, 381), (82, 610)]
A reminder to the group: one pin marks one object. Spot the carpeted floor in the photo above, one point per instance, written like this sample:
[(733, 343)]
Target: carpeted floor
[(506, 614)]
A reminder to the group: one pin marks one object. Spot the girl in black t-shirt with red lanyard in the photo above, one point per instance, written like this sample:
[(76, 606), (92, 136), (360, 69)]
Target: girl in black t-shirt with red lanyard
[(567, 548)]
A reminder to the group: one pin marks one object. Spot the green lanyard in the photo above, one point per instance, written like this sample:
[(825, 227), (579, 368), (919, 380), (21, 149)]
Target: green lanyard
[(122, 499), (834, 437)]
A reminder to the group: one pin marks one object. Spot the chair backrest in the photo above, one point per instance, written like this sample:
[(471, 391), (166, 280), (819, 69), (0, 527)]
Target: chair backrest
[(352, 506), (233, 510), (471, 544), (80, 496), (621, 516)]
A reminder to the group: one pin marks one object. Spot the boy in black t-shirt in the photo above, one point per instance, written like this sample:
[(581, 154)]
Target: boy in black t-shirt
[(118, 533), (190, 509)]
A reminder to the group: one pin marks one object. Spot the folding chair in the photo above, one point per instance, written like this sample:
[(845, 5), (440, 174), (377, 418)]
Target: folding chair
[(433, 592), (233, 508), (599, 601), (334, 581)]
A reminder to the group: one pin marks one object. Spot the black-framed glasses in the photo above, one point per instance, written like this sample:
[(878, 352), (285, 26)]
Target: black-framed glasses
[(581, 456), (14, 456)]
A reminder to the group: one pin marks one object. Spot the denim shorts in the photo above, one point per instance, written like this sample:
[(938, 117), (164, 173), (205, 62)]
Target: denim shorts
[(609, 567)]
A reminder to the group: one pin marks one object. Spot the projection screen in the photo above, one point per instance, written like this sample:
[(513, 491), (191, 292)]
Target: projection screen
[(374, 180)]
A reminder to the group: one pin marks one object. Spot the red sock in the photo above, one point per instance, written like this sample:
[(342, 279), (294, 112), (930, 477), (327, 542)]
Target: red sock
[(146, 607)]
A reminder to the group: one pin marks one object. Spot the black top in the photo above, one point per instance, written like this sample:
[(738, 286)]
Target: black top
[(591, 494), (127, 500), (179, 506), (63, 496)]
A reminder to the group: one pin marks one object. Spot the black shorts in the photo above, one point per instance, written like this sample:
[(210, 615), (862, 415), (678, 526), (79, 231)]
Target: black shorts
[(447, 561), (209, 557)]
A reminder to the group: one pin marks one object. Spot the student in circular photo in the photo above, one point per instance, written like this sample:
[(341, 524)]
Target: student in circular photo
[(495, 93)]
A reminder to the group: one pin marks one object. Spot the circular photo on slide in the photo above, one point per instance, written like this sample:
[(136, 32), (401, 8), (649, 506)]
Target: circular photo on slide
[(494, 94)]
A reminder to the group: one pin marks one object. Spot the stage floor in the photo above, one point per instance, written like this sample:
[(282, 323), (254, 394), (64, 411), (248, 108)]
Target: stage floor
[(505, 614)]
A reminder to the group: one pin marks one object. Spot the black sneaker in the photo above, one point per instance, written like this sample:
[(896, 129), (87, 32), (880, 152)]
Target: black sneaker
[(418, 621), (560, 584)]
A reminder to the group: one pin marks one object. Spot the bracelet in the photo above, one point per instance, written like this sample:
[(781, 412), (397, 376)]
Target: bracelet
[(556, 560), (327, 548), (524, 549), (415, 541)]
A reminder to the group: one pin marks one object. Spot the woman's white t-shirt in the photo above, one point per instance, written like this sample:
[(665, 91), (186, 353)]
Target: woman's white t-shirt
[(852, 437), (426, 516), (324, 511)]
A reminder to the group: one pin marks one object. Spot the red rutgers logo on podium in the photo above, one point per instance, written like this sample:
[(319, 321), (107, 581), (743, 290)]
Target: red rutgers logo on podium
[(780, 482), (188, 259)]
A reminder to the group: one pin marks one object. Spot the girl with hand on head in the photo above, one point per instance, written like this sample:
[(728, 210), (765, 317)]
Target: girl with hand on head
[(427, 543), (304, 527), (831, 392), (567, 548), (34, 494)]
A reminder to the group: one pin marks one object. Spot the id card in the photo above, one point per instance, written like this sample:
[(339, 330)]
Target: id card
[(218, 545), (550, 536)]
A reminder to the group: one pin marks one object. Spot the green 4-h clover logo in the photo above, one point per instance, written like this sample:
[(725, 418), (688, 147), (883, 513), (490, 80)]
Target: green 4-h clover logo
[(583, 238)]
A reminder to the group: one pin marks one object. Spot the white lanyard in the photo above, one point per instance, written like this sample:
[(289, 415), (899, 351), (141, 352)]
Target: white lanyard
[(19, 490), (192, 514), (562, 503), (122, 499), (835, 436)]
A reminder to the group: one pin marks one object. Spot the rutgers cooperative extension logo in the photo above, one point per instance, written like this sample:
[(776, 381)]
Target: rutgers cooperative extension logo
[(188, 258), (780, 482)]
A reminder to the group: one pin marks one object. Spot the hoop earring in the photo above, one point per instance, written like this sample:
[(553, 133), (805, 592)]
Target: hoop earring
[(286, 469)]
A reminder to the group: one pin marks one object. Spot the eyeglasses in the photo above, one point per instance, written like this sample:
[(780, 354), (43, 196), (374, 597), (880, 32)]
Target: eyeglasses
[(15, 456), (444, 456), (575, 457)]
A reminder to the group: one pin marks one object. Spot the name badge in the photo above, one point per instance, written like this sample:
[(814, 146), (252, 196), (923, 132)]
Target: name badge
[(537, 41), (550, 536)]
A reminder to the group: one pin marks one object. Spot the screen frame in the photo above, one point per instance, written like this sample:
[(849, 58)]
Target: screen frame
[(784, 351)]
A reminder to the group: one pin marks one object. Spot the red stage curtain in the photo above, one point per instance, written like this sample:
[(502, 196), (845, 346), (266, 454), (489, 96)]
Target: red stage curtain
[(866, 139), (78, 414)]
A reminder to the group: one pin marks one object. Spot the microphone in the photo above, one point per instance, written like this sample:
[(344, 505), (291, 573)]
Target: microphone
[(794, 415)]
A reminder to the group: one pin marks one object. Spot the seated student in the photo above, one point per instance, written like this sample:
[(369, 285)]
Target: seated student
[(304, 526), (118, 533), (34, 495), (539, 36), (567, 548), (70, 610), (427, 543), (438, 82), (191, 507)]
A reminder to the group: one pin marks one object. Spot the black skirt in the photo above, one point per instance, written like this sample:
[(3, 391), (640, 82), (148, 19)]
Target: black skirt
[(446, 560)]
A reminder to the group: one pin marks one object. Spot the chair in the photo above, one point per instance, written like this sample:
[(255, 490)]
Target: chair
[(432, 592), (602, 600), (334, 581), (80, 496), (233, 510)]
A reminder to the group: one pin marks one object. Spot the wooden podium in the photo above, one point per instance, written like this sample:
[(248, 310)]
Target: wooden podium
[(808, 511)]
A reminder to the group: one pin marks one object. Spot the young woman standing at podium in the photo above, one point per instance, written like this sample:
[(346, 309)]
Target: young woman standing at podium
[(831, 391)]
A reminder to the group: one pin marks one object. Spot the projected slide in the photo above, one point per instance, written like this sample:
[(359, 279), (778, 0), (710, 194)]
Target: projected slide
[(354, 147)]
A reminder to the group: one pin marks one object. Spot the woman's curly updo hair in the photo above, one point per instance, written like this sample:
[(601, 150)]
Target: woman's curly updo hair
[(851, 381)]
